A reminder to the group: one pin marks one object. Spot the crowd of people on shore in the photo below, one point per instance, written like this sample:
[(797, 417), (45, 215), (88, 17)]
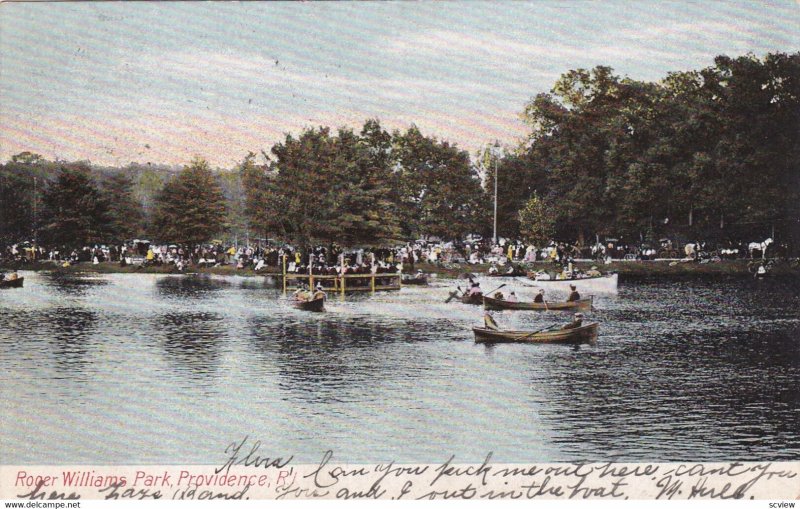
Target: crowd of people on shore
[(504, 256)]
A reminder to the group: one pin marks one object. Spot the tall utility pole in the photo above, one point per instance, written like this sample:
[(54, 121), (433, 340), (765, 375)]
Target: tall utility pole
[(495, 154)]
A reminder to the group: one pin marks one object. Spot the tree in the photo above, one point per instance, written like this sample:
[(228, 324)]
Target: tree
[(537, 221), (125, 212), (190, 209), (439, 190), (335, 188), (75, 211)]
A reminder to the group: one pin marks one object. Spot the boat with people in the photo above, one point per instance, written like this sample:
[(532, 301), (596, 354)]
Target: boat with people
[(419, 279), (606, 283), (316, 304), (583, 334), (576, 305), (474, 298), (12, 283)]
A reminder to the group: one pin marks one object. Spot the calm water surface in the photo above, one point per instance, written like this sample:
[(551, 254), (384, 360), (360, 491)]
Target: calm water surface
[(150, 369)]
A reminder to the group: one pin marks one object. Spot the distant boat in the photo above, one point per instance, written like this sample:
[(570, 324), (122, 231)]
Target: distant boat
[(497, 304), (317, 304), (419, 279), (584, 334), (598, 284), (12, 283)]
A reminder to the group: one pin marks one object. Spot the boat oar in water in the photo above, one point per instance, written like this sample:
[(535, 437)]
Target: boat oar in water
[(454, 294), (538, 331), (501, 286)]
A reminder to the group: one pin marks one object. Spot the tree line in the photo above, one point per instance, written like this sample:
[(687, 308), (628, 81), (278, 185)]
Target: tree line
[(710, 154)]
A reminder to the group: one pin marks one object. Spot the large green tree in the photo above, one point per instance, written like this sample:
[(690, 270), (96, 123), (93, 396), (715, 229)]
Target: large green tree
[(125, 213), (76, 212), (335, 188), (190, 209), (440, 191)]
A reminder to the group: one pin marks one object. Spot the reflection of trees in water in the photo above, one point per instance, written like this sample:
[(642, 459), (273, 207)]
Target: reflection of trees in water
[(71, 333), (192, 341), (324, 360), (673, 398), (190, 287), (71, 284)]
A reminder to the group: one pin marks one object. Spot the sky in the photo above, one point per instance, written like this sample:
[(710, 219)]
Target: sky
[(115, 82)]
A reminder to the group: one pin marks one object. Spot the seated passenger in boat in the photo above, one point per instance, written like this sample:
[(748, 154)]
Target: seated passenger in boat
[(319, 293), (574, 295), (512, 297), (539, 297), (498, 296), (475, 289), (577, 322), (489, 322), (493, 270)]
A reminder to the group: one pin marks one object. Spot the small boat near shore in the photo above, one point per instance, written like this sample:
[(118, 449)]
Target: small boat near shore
[(419, 280), (12, 283), (500, 304), (584, 334), (599, 284), (317, 304)]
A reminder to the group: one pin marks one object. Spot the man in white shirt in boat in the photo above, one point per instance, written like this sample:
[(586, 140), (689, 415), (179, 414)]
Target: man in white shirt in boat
[(574, 295), (577, 322), (539, 299), (512, 297)]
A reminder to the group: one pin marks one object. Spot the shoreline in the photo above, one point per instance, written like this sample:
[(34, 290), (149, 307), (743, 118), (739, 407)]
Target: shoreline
[(633, 269)]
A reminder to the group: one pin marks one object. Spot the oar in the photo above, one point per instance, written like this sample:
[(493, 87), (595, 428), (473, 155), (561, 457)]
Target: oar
[(453, 295), (538, 331), (490, 293)]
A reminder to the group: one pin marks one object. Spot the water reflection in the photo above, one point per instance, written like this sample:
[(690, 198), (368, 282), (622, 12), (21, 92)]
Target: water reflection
[(327, 359), (192, 342), (683, 370), (190, 287), (74, 284)]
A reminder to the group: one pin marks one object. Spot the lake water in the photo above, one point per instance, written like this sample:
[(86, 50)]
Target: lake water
[(153, 369)]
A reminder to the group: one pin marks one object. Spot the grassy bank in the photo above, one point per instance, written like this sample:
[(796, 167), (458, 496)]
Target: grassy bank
[(631, 269)]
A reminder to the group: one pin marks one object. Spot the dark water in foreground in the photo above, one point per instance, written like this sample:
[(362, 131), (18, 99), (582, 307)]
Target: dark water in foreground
[(147, 369)]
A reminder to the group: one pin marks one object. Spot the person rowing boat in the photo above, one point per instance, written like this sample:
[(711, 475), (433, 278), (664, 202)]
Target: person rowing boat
[(574, 295)]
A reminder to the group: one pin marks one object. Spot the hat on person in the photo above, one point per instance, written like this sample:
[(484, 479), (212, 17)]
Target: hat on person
[(572, 286), (541, 290), (578, 315)]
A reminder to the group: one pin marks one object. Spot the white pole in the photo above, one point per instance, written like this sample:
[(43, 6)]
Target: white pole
[(494, 230)]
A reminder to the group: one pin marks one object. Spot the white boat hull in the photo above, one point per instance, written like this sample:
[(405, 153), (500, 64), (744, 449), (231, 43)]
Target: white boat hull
[(588, 286)]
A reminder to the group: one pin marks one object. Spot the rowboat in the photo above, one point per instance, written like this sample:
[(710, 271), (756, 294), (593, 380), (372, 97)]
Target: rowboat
[(311, 305), (497, 304), (12, 283), (415, 280), (584, 334), (506, 274), (599, 284), (472, 299)]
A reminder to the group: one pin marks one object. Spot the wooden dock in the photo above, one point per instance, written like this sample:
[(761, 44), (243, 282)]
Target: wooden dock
[(344, 283)]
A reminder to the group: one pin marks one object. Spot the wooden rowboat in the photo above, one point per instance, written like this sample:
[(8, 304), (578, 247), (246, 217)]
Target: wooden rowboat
[(584, 334), (317, 304), (12, 283), (599, 284), (497, 304), (472, 299)]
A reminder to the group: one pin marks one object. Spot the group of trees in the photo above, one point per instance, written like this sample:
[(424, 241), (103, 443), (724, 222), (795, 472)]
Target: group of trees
[(714, 152), (709, 152)]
